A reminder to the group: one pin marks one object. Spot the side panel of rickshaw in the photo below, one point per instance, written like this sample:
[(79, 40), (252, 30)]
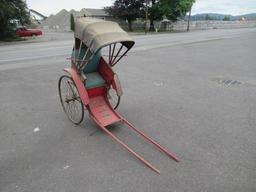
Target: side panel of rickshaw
[(110, 76)]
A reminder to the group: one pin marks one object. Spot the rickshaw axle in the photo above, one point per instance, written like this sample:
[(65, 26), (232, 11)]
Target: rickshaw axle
[(72, 99)]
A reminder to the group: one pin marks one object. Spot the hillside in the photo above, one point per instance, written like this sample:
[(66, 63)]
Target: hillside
[(217, 16)]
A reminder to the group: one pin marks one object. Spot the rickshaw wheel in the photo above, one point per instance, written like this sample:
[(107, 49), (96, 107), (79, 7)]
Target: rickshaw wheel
[(70, 99), (113, 98)]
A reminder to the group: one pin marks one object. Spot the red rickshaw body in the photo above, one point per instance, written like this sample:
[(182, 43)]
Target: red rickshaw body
[(98, 46)]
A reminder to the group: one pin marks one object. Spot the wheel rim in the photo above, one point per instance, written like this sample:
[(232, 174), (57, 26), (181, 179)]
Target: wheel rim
[(70, 99), (113, 98)]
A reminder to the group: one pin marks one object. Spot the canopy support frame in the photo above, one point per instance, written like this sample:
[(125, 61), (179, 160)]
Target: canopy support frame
[(117, 54)]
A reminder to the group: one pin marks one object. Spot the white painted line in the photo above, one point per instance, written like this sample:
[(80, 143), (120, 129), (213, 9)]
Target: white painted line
[(31, 58)]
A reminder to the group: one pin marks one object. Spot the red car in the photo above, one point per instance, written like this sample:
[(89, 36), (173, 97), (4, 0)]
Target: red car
[(24, 32)]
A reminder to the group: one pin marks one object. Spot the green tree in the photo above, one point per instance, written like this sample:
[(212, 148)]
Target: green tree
[(155, 13), (128, 10), (226, 18), (12, 11), (207, 17), (131, 9), (173, 9), (72, 22)]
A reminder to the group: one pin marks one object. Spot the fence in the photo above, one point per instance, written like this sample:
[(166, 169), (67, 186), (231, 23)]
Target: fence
[(202, 25)]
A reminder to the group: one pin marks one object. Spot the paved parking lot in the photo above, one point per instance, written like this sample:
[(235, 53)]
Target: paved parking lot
[(193, 92)]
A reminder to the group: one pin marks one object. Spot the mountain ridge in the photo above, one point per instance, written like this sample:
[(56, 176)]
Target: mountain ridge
[(219, 16)]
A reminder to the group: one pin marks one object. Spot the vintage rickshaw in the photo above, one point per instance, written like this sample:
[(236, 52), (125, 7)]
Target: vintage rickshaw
[(91, 84)]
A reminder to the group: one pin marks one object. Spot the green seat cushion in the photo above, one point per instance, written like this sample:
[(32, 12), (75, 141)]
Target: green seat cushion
[(94, 80)]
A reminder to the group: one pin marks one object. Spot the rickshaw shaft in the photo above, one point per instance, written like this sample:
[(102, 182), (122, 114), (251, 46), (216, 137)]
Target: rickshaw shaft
[(152, 141), (126, 147)]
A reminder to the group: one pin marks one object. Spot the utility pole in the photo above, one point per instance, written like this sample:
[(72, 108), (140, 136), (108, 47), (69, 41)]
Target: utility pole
[(146, 17), (189, 19)]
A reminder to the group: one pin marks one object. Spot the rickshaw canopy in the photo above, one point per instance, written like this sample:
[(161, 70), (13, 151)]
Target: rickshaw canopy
[(96, 33)]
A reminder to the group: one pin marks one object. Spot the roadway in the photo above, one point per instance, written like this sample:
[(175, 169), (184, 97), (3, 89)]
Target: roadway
[(193, 92)]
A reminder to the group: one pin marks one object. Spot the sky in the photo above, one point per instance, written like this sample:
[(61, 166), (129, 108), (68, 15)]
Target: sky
[(233, 7)]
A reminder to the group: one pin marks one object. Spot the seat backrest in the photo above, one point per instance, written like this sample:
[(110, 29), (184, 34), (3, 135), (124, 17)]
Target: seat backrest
[(93, 64)]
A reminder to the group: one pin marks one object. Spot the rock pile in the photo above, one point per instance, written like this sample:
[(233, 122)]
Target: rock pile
[(61, 21)]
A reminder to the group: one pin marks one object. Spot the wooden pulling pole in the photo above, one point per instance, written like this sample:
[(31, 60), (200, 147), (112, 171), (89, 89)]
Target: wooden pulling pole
[(126, 147), (152, 141)]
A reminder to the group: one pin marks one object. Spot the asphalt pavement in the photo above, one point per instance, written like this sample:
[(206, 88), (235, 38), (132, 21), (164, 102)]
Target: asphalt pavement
[(194, 93)]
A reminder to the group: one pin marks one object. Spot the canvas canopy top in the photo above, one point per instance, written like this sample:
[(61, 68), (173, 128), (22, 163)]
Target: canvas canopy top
[(96, 33)]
